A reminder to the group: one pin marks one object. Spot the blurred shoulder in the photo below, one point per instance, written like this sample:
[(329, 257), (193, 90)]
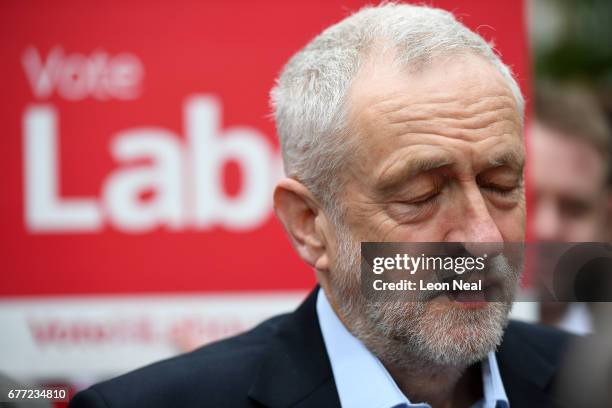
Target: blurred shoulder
[(219, 374)]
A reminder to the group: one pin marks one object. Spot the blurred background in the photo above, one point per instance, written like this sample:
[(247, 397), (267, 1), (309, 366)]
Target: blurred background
[(140, 157), (569, 136)]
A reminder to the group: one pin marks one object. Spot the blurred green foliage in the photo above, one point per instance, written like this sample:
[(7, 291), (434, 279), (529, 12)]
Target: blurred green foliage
[(582, 47)]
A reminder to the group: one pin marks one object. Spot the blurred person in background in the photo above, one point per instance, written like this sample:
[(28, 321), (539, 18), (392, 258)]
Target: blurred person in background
[(569, 171), (570, 40)]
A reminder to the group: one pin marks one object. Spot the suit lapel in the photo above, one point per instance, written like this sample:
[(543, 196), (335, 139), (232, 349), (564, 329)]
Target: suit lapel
[(296, 371)]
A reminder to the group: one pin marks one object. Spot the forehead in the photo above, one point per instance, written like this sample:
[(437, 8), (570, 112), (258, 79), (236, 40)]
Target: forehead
[(460, 97)]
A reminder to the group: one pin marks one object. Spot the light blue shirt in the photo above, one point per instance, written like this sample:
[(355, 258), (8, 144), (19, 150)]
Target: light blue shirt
[(363, 381)]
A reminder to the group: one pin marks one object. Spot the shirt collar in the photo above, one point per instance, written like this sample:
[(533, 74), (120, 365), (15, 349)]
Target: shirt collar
[(493, 387), (350, 359)]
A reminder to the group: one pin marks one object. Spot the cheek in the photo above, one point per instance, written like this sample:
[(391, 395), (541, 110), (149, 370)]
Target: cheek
[(511, 224)]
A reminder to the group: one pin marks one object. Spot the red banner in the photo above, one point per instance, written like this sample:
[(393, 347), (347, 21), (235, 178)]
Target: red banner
[(138, 152)]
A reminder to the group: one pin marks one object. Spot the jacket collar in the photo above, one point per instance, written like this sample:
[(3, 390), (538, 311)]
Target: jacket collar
[(296, 370)]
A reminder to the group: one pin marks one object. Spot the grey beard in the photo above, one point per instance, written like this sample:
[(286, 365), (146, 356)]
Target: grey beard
[(410, 334)]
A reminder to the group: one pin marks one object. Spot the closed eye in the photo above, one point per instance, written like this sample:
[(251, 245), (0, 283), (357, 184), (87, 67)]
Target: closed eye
[(501, 190), (415, 210), (426, 198)]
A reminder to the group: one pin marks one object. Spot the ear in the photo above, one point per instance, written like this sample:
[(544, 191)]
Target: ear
[(305, 222)]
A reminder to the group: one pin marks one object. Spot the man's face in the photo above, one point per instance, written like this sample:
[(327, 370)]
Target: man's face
[(441, 155), (568, 182), (440, 159)]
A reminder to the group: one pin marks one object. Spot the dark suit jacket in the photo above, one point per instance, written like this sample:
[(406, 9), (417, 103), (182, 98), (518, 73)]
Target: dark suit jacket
[(283, 363)]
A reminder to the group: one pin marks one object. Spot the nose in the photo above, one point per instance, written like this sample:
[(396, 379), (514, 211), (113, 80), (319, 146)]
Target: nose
[(477, 229)]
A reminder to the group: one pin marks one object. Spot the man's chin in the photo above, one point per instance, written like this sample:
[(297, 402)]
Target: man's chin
[(461, 333)]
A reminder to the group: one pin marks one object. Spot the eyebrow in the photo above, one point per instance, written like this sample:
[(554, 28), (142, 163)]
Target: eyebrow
[(395, 174), (512, 158)]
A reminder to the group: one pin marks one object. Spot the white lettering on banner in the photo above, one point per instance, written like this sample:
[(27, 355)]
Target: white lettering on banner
[(123, 187), (77, 76), (186, 179), (209, 150), (44, 210)]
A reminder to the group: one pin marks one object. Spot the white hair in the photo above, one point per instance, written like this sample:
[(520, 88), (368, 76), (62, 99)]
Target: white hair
[(309, 100)]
